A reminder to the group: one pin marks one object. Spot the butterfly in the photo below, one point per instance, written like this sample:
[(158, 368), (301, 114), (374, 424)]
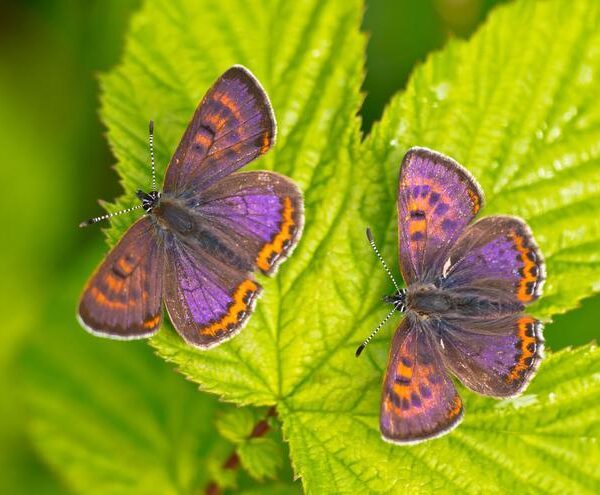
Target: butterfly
[(467, 285), (201, 237)]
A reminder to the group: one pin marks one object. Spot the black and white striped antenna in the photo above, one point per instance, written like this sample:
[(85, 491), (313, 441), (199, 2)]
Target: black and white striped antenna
[(385, 266), (94, 220), (362, 346), (398, 305), (151, 145)]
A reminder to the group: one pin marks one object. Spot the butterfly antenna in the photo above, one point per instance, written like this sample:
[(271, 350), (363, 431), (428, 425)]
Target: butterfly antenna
[(151, 144), (385, 266), (94, 220), (362, 346)]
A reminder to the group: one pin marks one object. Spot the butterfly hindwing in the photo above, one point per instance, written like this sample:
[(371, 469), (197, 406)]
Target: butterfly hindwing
[(419, 400), (122, 299), (233, 125), (208, 301), (437, 198), (497, 253), (259, 213), (496, 357)]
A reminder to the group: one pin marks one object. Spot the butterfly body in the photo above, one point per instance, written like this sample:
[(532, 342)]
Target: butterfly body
[(205, 234), (468, 284), (428, 300)]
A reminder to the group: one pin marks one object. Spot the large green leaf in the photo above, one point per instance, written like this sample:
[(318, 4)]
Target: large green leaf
[(111, 418), (517, 105)]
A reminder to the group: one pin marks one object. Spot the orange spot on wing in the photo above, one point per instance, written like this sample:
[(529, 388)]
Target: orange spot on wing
[(527, 348), (266, 143), (203, 139), (125, 266), (455, 408), (101, 299), (236, 311), (475, 200), (416, 226), (403, 390), (529, 281), (226, 101), (428, 224), (151, 322), (272, 250), (216, 121), (115, 284)]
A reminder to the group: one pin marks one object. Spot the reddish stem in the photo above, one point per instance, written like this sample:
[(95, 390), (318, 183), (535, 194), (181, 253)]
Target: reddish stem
[(233, 461)]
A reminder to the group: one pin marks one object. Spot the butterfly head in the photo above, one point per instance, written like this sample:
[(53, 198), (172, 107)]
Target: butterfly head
[(149, 200), (397, 299)]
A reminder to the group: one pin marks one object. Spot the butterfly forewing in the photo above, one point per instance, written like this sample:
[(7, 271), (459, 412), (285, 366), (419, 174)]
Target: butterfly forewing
[(122, 299), (437, 198), (419, 400), (233, 125), (497, 253)]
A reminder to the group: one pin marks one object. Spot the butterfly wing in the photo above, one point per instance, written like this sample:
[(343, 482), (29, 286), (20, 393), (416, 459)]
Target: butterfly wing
[(437, 198), (233, 125), (122, 299), (208, 301), (490, 347), (496, 254), (257, 215), (419, 400), (496, 357)]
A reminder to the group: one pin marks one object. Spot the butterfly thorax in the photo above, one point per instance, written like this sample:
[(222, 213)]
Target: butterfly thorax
[(180, 222), (428, 300), (173, 215)]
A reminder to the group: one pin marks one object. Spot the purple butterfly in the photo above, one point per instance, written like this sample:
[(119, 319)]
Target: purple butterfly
[(205, 233), (467, 286)]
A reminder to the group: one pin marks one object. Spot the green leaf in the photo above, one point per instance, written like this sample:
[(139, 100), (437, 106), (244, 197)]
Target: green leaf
[(236, 424), (112, 418), (517, 105), (261, 457), (545, 441)]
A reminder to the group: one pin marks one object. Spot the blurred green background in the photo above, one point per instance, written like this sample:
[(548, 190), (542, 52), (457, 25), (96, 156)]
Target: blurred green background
[(55, 163)]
